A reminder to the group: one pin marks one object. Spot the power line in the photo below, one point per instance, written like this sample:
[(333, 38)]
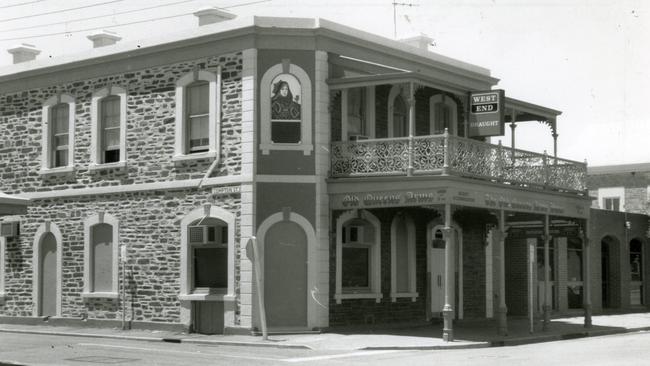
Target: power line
[(122, 24), (60, 11), (94, 17), (21, 4)]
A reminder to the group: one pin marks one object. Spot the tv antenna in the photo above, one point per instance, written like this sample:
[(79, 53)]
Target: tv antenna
[(395, 5)]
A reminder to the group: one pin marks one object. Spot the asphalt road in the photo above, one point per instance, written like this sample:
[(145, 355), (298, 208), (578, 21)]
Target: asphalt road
[(26, 349)]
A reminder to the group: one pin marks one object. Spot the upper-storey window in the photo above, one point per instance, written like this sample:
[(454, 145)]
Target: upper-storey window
[(198, 115), (612, 203), (58, 134), (398, 113), (356, 113), (286, 109), (442, 114), (108, 143), (110, 129)]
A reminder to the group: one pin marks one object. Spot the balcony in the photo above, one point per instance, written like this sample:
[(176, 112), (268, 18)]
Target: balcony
[(451, 155)]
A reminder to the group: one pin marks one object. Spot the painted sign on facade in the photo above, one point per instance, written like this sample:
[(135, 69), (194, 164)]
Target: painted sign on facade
[(487, 113), (460, 197)]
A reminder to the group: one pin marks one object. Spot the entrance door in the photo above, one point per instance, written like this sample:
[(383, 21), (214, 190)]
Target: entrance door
[(48, 276), (437, 271), (540, 276), (437, 279), (285, 276)]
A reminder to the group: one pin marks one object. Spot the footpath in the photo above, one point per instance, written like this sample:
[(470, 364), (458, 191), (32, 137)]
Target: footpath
[(467, 334)]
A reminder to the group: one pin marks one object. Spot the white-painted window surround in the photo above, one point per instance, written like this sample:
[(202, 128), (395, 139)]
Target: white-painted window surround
[(358, 244), (609, 194), (58, 139), (305, 97), (101, 256), (108, 128), (195, 235), (198, 115)]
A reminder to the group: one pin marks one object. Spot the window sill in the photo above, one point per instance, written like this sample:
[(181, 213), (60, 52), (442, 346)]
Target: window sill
[(179, 158), (120, 165), (365, 295), (305, 148), (207, 297), (64, 170), (412, 295), (99, 295)]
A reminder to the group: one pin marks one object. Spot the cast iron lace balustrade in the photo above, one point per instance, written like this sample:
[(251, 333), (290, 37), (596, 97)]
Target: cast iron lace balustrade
[(464, 157)]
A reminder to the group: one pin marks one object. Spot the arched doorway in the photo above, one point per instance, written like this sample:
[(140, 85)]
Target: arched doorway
[(609, 249), (48, 276), (285, 275)]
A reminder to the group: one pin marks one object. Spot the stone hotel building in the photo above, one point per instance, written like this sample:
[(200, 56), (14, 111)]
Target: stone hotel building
[(136, 173)]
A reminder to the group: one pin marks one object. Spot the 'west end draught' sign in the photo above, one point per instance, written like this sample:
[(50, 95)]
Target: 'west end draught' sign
[(486, 117)]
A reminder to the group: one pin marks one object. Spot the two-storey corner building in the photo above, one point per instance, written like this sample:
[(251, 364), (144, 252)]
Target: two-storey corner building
[(355, 161)]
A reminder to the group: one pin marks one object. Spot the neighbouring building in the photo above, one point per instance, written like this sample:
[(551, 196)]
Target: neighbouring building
[(357, 163)]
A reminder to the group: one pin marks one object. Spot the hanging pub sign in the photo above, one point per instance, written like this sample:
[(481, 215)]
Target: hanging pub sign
[(487, 113)]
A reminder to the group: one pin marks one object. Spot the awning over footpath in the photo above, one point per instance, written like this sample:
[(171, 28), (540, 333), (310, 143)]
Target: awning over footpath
[(13, 205)]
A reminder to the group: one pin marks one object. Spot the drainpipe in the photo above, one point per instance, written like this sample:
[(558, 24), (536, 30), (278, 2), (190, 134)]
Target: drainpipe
[(209, 172)]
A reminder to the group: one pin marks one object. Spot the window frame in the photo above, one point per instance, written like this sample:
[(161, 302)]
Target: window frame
[(410, 233), (97, 130), (374, 261), (205, 243), (450, 103), (187, 258), (89, 223), (181, 146), (305, 144), (47, 158)]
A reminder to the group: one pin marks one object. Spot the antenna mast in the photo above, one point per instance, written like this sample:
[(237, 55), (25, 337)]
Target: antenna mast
[(395, 5)]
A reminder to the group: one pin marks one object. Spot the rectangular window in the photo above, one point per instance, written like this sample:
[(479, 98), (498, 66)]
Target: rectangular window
[(356, 268), (210, 264), (60, 135), (198, 116), (102, 258), (210, 252), (110, 129), (612, 203)]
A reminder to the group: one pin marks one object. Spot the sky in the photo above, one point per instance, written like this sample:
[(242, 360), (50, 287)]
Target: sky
[(586, 58)]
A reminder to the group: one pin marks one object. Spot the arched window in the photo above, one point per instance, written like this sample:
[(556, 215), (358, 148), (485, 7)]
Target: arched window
[(101, 256), (358, 265), (58, 134), (208, 255), (400, 117), (108, 119), (198, 115), (443, 114), (403, 282), (285, 109)]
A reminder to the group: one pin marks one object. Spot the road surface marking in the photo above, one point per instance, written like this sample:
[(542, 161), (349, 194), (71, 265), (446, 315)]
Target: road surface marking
[(342, 355), (178, 351)]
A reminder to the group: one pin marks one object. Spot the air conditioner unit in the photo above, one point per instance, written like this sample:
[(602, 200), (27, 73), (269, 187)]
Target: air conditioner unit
[(9, 229), (358, 137)]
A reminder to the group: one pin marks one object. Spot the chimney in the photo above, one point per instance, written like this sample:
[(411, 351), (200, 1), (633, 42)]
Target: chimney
[(421, 41), (104, 38), (212, 15), (24, 52)]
